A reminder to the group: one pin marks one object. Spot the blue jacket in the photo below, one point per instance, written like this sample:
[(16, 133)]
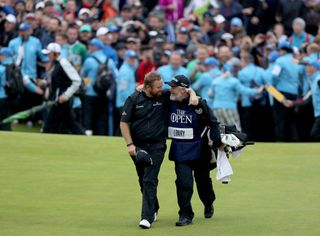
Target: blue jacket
[(90, 68), (111, 53), (32, 51), (225, 92), (315, 93), (269, 80), (202, 85), (297, 41), (287, 74), (3, 81), (126, 83), (167, 72), (249, 76)]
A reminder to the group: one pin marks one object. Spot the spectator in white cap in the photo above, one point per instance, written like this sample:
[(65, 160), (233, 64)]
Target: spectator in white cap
[(8, 31), (106, 37), (84, 13), (64, 81), (299, 37)]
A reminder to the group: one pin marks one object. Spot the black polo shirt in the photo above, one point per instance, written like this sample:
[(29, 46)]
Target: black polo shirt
[(147, 117)]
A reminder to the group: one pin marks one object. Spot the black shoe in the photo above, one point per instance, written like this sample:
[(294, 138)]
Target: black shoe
[(183, 221), (208, 212)]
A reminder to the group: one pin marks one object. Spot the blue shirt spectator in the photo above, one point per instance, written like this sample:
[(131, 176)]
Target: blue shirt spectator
[(126, 78)]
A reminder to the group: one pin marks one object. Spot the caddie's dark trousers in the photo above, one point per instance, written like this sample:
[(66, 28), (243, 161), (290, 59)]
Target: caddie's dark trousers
[(5, 111), (61, 120), (148, 179), (184, 185)]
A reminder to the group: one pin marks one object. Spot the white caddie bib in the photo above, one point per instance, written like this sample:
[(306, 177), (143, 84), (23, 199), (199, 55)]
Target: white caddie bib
[(180, 133)]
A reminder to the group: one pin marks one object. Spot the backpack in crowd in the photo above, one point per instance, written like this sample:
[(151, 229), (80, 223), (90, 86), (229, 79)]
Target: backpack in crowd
[(105, 79), (14, 85)]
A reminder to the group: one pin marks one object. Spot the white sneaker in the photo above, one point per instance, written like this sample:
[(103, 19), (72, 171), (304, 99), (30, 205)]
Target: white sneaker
[(88, 132), (145, 224), (155, 217)]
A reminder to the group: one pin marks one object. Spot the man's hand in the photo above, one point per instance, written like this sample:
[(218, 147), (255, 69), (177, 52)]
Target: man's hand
[(132, 150), (62, 99), (193, 99), (139, 88), (287, 103)]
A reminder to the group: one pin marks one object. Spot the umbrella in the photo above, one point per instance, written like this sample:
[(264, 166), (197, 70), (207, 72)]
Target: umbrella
[(25, 114)]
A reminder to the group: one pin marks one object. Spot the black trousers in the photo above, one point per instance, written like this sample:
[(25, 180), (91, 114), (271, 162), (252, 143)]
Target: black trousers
[(285, 121), (184, 185), (95, 114), (315, 132), (148, 179), (61, 120), (5, 111)]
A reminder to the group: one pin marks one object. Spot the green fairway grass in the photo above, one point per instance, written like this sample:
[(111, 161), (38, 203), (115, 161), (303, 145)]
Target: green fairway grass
[(87, 186)]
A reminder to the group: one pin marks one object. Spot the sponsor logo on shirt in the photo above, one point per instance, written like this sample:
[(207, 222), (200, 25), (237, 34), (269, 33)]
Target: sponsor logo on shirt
[(139, 106), (157, 104), (124, 113)]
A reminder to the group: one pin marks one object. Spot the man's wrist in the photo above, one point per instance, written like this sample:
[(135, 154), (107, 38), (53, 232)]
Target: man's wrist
[(129, 144)]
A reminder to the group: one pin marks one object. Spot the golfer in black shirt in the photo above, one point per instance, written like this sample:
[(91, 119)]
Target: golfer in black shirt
[(144, 126)]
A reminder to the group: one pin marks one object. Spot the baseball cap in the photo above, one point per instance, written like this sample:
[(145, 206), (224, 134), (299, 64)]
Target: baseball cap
[(130, 54), (126, 7), (273, 56), (102, 31), (183, 30), (227, 36), (113, 28), (219, 19), (6, 52), (211, 61), (195, 28), (133, 40), (24, 26), (30, 16), (11, 19), (315, 64), (235, 21), (284, 45), (39, 5), (228, 67), (179, 80), (84, 11), (96, 43), (19, 1), (214, 4), (143, 158), (86, 28), (52, 47)]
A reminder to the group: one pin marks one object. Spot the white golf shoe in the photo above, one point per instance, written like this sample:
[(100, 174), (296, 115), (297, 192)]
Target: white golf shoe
[(144, 224)]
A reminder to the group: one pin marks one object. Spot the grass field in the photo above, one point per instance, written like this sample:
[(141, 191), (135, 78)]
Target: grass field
[(76, 185)]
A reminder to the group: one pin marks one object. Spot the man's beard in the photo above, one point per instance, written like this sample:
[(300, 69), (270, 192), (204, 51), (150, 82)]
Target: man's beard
[(174, 98)]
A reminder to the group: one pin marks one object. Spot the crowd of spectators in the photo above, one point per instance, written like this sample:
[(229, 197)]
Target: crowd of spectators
[(228, 49)]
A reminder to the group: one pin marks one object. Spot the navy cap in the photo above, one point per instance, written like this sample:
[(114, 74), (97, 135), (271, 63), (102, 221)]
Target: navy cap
[(179, 81), (24, 26), (211, 61), (315, 64), (130, 54), (6, 52), (195, 28), (96, 43)]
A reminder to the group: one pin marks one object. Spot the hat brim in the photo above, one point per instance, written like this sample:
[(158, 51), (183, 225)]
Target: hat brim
[(172, 84), (45, 51)]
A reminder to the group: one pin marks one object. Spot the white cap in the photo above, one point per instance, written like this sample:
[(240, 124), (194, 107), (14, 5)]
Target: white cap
[(83, 11), (39, 5), (11, 18), (227, 36), (219, 19), (52, 47), (102, 31)]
